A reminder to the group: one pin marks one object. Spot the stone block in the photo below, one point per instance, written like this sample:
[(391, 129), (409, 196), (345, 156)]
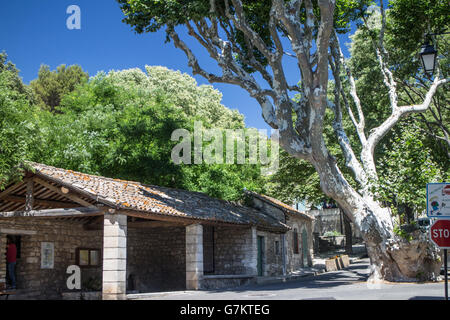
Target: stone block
[(190, 275), (331, 265), (114, 242), (192, 284), (195, 267), (114, 296), (114, 231), (114, 253), (114, 264), (345, 261), (114, 275), (115, 220)]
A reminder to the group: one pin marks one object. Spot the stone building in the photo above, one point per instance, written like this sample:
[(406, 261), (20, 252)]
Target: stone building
[(126, 236)]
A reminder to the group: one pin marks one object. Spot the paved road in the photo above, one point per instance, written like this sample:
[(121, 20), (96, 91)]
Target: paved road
[(340, 285)]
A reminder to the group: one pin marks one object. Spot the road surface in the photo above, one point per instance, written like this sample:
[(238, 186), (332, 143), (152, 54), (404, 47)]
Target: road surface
[(348, 284)]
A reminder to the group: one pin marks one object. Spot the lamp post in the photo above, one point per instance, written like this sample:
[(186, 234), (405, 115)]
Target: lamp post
[(428, 54)]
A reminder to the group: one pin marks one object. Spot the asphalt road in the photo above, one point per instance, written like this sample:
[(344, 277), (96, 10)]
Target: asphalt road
[(348, 284)]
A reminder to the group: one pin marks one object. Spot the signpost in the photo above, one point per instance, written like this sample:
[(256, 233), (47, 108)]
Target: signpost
[(438, 206), (438, 200), (440, 235)]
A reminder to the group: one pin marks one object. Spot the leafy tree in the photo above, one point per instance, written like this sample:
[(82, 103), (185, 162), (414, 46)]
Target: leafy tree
[(51, 86), (295, 181), (120, 124), (405, 168), (248, 41), (17, 125)]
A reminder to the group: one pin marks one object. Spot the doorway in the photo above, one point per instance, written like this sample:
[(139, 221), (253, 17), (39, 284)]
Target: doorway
[(305, 248), (261, 249), (17, 241)]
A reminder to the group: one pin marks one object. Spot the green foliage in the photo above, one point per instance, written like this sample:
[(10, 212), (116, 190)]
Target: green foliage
[(17, 125), (411, 19), (409, 156), (332, 234), (51, 86), (152, 15), (296, 180), (404, 170), (402, 233), (117, 125), (120, 124)]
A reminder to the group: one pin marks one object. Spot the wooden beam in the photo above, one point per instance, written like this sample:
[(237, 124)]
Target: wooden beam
[(68, 212), (180, 220), (41, 202), (155, 224), (96, 224), (18, 231), (155, 216), (57, 190), (13, 188)]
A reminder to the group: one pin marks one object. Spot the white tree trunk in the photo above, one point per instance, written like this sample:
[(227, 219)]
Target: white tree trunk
[(392, 258)]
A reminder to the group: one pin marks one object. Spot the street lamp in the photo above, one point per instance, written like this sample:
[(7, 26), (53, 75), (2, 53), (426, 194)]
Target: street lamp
[(428, 57), (428, 54)]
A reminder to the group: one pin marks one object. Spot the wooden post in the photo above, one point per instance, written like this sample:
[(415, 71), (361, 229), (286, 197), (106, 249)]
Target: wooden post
[(29, 199)]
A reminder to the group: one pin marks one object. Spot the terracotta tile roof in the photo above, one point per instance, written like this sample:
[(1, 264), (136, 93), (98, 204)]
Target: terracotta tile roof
[(155, 200), (281, 205)]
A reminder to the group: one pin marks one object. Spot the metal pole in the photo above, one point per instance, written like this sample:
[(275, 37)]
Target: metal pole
[(445, 274)]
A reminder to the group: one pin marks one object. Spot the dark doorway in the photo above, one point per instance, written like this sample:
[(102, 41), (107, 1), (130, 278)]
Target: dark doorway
[(17, 240), (208, 250), (261, 249)]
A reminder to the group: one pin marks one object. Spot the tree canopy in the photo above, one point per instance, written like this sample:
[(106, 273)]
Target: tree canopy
[(51, 86), (117, 124), (17, 121), (249, 41)]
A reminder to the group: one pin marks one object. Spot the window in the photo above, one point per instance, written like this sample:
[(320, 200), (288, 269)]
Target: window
[(88, 257), (295, 241), (277, 247)]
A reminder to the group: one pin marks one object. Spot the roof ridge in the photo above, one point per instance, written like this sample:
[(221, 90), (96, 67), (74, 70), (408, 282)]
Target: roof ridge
[(274, 202)]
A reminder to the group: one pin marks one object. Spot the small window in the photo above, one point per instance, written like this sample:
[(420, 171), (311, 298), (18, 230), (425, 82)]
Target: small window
[(277, 247), (88, 257), (295, 241)]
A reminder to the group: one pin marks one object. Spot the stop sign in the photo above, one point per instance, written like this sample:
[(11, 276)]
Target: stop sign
[(440, 233)]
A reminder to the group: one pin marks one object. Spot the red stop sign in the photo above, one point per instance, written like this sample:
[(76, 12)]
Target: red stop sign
[(440, 233)]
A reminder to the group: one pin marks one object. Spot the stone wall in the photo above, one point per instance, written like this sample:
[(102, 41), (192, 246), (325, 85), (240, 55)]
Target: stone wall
[(272, 260), (66, 237), (233, 251), (295, 261), (2, 261), (331, 220), (156, 258)]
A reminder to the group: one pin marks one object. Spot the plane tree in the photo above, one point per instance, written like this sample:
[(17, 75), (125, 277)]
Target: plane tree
[(249, 40)]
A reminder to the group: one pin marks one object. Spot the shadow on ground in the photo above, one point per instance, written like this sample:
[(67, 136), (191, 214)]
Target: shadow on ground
[(352, 274)]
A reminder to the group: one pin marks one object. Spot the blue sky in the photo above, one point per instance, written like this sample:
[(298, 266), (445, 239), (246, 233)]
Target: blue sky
[(34, 33)]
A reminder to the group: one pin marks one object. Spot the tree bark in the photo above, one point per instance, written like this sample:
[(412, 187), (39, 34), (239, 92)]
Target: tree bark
[(348, 234), (392, 258)]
